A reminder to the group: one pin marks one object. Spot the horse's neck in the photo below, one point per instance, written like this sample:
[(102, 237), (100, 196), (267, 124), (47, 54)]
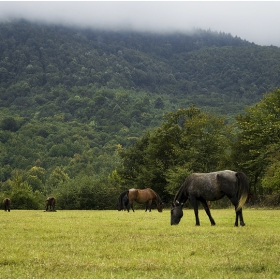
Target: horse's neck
[(157, 198), (181, 195)]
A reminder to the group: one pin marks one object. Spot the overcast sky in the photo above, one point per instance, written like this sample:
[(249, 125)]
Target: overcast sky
[(254, 21)]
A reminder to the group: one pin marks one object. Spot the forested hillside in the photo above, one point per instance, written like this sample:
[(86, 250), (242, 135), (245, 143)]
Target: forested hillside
[(71, 98)]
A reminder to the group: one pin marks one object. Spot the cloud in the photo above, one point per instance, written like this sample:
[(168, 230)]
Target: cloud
[(254, 21)]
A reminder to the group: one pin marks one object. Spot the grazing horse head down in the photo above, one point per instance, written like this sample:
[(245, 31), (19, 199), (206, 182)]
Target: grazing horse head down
[(144, 196), (123, 202), (204, 187), (7, 204), (50, 203)]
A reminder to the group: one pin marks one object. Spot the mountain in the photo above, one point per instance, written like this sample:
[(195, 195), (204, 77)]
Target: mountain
[(70, 96)]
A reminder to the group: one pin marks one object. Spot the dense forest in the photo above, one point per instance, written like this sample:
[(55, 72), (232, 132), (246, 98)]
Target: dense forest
[(83, 112)]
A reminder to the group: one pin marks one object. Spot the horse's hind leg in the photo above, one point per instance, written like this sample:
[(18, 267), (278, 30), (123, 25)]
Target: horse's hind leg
[(207, 210), (149, 205), (240, 215), (234, 201)]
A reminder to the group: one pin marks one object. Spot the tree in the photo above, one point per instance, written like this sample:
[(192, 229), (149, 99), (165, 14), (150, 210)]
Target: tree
[(58, 176), (36, 178), (9, 124), (22, 196), (189, 138), (255, 150)]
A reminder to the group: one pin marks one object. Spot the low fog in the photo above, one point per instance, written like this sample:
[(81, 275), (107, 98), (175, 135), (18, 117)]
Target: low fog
[(254, 21)]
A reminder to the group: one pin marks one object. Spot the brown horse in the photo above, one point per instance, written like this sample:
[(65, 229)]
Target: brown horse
[(7, 204), (145, 196), (50, 202)]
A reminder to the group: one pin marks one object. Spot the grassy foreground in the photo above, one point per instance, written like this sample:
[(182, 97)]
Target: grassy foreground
[(112, 244)]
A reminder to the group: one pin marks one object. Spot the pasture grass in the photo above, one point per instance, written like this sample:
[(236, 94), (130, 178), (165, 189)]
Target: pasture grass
[(112, 244)]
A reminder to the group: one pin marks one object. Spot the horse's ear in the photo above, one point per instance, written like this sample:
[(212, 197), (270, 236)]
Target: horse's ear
[(177, 203)]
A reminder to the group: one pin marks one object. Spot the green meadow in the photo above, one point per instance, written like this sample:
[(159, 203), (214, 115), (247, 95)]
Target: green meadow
[(112, 244)]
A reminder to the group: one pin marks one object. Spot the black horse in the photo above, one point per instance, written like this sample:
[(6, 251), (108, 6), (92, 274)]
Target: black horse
[(7, 204), (50, 202), (203, 187), (123, 202)]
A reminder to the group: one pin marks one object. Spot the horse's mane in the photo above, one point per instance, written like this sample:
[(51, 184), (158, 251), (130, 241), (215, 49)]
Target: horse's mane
[(157, 195), (181, 193)]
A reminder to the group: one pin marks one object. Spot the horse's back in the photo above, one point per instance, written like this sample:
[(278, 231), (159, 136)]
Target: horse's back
[(227, 178), (140, 195), (213, 177), (51, 200), (213, 185)]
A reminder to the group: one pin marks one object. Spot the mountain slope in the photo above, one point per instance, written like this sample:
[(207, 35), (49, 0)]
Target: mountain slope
[(194, 67), (69, 97)]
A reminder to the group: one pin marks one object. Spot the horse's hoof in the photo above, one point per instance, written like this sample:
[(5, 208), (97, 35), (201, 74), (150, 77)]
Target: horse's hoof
[(213, 225)]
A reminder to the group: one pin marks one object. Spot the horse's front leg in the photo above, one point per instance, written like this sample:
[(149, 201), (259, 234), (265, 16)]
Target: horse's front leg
[(194, 202), (207, 210), (146, 206), (149, 203)]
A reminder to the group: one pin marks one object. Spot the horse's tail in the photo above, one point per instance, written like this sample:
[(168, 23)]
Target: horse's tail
[(243, 189)]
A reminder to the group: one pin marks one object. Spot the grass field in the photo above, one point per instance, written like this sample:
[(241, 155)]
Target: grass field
[(112, 244)]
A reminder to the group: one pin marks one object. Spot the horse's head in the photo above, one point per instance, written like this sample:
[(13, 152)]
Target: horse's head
[(120, 207), (176, 212), (160, 207)]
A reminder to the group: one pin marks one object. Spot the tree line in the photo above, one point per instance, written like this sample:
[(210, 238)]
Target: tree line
[(189, 140)]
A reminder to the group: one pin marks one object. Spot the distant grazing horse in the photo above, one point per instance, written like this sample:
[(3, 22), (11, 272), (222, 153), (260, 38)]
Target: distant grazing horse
[(251, 199), (145, 196), (7, 204), (203, 187), (50, 202), (123, 202)]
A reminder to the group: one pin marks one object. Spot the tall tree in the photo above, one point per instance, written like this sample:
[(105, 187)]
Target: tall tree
[(188, 138), (257, 143)]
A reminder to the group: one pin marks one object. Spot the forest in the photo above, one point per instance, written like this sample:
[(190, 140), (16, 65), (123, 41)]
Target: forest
[(86, 114)]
